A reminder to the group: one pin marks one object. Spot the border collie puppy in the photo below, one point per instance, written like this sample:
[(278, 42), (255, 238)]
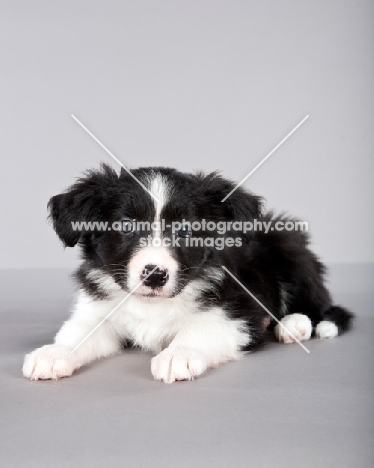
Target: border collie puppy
[(174, 298)]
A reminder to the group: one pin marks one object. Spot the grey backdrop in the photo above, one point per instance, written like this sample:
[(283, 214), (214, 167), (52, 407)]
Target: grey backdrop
[(196, 85)]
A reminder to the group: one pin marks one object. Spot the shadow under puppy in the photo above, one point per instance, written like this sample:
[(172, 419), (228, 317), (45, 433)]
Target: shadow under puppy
[(170, 295)]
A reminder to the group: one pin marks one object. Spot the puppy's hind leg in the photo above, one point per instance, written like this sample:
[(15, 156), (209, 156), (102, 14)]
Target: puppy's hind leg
[(293, 327), (318, 313), (335, 321)]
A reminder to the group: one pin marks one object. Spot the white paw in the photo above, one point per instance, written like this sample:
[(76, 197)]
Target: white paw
[(49, 362), (178, 364), (326, 330), (298, 325)]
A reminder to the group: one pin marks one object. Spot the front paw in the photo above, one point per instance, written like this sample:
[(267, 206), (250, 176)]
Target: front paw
[(49, 362), (178, 364)]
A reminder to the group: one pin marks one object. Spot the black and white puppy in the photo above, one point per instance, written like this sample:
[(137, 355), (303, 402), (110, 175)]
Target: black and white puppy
[(176, 300)]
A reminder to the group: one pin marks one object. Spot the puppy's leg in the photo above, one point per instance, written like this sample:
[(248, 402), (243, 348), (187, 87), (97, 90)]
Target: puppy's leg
[(58, 360), (310, 295), (297, 326), (206, 340), (335, 320)]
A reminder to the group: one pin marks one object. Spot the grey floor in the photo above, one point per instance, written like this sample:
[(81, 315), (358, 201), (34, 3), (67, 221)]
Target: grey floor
[(277, 407)]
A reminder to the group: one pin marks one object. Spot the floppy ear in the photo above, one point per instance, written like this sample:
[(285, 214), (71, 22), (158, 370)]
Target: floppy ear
[(83, 201), (239, 206)]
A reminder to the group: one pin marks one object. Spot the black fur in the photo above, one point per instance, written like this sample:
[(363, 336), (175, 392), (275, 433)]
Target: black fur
[(265, 263)]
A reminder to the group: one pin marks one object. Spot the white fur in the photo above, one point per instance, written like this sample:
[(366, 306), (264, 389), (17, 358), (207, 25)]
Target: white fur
[(159, 188), (187, 339), (194, 339), (298, 325), (159, 256), (178, 363), (326, 330), (104, 281), (155, 254), (49, 362)]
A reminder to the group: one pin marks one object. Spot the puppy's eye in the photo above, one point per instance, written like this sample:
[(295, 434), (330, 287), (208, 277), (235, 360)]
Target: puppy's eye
[(184, 232), (127, 225)]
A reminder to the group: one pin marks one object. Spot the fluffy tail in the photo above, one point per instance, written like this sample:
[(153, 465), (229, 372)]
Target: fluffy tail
[(339, 316)]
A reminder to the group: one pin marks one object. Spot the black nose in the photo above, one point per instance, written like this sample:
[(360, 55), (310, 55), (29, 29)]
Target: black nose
[(157, 279)]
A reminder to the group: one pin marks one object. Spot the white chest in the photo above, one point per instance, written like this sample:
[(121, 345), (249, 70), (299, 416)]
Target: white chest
[(152, 323)]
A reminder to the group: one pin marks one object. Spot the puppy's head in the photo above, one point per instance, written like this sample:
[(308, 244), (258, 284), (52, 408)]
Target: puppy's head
[(135, 232)]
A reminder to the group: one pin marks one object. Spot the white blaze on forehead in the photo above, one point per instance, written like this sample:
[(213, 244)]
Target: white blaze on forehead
[(158, 186), (157, 255)]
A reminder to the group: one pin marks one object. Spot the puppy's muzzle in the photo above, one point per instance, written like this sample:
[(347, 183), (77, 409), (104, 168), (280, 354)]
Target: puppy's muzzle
[(154, 280)]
